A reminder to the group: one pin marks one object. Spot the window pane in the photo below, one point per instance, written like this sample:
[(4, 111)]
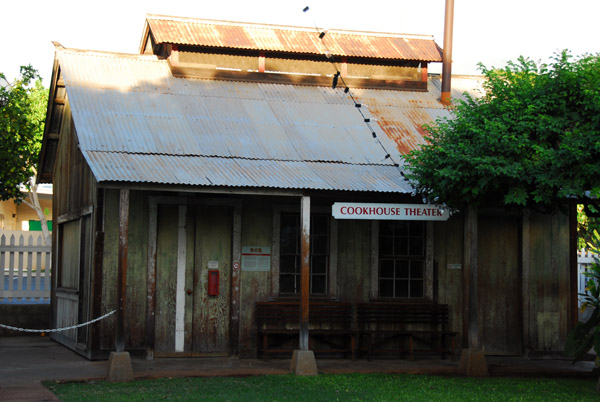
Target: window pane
[(416, 269), (287, 283), (402, 268), (386, 269), (401, 288), (320, 224), (386, 245), (386, 288), (401, 246), (290, 220), (417, 229), (416, 246), (386, 228), (318, 284), (401, 228), (289, 241), (318, 264), (416, 288), (318, 244), (288, 264)]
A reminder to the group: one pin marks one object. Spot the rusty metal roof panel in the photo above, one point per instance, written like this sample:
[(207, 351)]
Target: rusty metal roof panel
[(277, 38), (129, 111)]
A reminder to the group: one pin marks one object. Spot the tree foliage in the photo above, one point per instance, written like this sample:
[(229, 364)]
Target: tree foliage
[(531, 140), (22, 114), (586, 334)]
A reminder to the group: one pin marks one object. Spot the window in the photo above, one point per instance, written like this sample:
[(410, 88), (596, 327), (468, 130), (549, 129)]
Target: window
[(401, 259), (290, 256)]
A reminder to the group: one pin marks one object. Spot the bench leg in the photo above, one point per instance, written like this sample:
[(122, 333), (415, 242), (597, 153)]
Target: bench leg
[(410, 348), (353, 346)]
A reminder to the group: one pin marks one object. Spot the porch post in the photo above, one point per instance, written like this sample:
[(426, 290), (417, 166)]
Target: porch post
[(303, 360), (472, 360), (122, 268), (304, 271), (119, 363)]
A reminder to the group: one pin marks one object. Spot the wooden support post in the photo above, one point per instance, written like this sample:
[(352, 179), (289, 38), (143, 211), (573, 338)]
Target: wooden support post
[(119, 362), (304, 270), (303, 360), (122, 268)]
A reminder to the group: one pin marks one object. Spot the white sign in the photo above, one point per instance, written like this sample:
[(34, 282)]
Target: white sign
[(256, 258), (402, 212)]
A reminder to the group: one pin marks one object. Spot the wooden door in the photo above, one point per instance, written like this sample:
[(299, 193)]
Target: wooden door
[(499, 285), (190, 241), (212, 252)]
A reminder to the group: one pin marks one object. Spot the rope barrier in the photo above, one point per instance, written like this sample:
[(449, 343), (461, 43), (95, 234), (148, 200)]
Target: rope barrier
[(58, 329)]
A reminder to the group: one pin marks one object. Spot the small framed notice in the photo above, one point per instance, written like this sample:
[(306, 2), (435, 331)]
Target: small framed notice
[(256, 258)]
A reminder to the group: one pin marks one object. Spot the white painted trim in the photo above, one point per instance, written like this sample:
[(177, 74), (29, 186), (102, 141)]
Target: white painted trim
[(180, 293)]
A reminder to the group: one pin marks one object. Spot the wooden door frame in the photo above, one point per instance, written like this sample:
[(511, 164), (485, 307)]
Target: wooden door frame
[(234, 311)]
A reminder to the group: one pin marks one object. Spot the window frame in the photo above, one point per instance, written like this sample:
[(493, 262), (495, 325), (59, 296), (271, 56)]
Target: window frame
[(428, 265), (331, 286)]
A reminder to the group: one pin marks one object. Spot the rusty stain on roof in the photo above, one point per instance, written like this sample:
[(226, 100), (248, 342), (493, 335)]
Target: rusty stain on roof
[(278, 38)]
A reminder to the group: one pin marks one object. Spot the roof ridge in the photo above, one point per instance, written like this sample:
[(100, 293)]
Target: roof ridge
[(257, 25)]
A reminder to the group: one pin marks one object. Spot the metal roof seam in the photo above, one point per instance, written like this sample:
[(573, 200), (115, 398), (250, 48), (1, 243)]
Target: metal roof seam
[(231, 157)]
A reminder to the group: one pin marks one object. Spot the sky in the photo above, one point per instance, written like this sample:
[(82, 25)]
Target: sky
[(488, 32)]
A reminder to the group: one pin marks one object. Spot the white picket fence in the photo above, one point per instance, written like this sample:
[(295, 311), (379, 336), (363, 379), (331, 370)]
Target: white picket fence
[(25, 266)]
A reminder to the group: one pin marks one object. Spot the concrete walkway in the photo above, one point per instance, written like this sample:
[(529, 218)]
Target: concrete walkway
[(26, 361)]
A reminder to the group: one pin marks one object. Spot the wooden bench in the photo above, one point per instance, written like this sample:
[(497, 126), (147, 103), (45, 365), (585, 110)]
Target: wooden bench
[(379, 323), (278, 322)]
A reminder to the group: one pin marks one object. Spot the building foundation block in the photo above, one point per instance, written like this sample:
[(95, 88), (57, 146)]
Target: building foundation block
[(119, 367), (304, 363), (473, 363)]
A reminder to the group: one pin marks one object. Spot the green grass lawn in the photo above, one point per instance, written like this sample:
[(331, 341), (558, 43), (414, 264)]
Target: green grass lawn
[(334, 387)]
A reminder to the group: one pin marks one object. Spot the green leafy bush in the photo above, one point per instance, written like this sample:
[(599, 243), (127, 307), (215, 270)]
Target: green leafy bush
[(586, 335)]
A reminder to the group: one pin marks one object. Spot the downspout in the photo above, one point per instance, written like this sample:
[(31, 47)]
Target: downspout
[(447, 53)]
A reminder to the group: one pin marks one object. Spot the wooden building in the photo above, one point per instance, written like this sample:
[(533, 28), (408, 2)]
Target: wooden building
[(190, 160)]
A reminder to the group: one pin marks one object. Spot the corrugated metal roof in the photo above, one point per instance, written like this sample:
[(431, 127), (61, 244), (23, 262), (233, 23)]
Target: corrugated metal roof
[(186, 31), (228, 172), (137, 123)]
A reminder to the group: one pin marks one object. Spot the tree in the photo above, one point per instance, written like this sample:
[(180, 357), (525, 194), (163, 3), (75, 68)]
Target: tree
[(531, 140), (586, 334), (22, 114), (586, 225)]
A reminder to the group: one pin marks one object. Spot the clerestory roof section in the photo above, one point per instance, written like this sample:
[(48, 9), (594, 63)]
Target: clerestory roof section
[(289, 39)]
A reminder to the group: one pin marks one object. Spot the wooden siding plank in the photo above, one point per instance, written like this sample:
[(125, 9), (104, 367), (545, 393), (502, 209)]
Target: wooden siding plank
[(151, 278), (259, 222), (166, 263), (236, 276), (137, 270)]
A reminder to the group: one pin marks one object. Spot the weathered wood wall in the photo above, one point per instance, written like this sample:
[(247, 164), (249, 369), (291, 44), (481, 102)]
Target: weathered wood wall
[(513, 284), (73, 204), (354, 260), (257, 230), (546, 288), (448, 263)]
